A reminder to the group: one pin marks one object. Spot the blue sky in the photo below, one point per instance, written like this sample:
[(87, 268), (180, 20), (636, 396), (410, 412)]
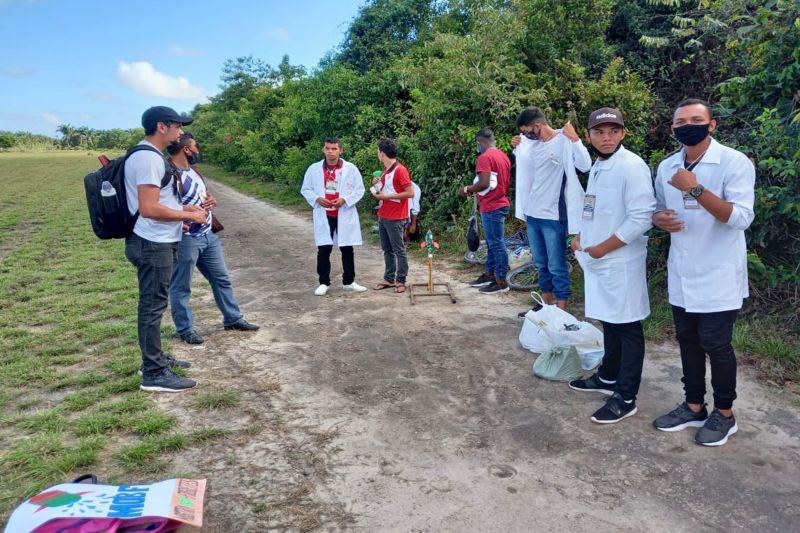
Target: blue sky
[(101, 63)]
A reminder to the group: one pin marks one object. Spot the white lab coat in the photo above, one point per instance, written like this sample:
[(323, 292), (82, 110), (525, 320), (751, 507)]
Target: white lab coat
[(414, 201), (707, 266), (615, 285), (574, 155), (351, 188)]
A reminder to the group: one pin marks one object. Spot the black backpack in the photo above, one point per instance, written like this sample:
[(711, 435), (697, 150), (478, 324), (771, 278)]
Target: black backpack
[(107, 198)]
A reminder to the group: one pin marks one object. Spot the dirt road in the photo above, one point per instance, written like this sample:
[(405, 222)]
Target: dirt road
[(363, 413)]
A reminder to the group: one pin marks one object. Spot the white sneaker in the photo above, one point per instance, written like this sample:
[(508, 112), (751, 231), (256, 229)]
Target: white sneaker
[(322, 290), (354, 287)]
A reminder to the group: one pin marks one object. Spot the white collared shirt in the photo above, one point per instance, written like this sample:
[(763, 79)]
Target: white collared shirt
[(707, 266)]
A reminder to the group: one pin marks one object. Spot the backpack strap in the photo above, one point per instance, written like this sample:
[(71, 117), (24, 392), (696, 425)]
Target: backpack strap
[(168, 176)]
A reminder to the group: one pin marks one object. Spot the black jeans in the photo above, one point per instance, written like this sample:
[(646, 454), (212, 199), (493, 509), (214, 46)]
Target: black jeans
[(707, 333), (324, 259), (624, 357), (153, 262), (394, 250)]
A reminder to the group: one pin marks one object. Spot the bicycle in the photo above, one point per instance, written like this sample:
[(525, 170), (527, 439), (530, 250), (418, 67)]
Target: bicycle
[(512, 242)]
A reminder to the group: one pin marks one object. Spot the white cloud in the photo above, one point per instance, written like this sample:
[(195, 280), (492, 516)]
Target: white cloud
[(147, 81), (280, 34), (51, 119), (99, 96), (182, 51), (18, 72)]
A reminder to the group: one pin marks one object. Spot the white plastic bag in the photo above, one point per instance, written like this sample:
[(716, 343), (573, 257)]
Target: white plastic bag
[(547, 327)]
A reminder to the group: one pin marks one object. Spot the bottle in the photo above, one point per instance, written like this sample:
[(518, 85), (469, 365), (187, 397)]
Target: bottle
[(109, 195)]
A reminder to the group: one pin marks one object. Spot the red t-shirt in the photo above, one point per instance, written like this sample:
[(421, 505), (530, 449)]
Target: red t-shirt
[(395, 179), (493, 160), (331, 181)]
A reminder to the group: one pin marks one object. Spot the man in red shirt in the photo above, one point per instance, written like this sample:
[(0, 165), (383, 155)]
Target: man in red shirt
[(493, 171), (393, 189)]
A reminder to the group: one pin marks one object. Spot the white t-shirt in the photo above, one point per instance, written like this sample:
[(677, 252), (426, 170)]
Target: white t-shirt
[(146, 167), (545, 191)]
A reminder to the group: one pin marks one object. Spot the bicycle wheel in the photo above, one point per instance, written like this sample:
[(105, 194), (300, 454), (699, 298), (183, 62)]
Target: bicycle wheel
[(478, 257), (523, 278)]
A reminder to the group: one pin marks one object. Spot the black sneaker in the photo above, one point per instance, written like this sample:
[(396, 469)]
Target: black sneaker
[(494, 288), (716, 430), (534, 308), (166, 381), (482, 281), (191, 337), (172, 363), (680, 418), (615, 409), (592, 384), (242, 325)]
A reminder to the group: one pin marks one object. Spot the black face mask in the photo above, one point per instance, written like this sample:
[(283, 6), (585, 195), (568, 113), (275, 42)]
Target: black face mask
[(691, 134), (532, 135), (193, 158), (602, 155)]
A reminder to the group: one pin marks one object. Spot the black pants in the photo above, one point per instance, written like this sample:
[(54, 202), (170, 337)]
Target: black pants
[(624, 357), (153, 262), (701, 334), (324, 259)]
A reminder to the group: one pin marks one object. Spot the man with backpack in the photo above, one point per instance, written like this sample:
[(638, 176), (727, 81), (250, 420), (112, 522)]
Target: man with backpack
[(151, 190)]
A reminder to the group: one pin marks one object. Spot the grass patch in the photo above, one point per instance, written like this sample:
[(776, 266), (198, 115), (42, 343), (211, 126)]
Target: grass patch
[(216, 400)]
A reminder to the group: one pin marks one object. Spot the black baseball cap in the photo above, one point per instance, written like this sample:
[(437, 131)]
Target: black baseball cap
[(161, 113), (605, 115)]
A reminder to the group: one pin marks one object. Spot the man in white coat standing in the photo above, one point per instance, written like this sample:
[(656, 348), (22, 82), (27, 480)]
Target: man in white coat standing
[(549, 196), (333, 187), (612, 251), (705, 195)]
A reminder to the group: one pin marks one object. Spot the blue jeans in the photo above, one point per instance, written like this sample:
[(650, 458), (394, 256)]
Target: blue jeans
[(494, 229), (548, 240), (205, 252)]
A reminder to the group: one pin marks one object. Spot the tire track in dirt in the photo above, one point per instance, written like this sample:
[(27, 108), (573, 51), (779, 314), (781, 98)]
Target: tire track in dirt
[(361, 412)]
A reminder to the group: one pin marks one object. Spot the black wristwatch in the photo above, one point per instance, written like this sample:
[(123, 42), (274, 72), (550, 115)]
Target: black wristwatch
[(696, 191)]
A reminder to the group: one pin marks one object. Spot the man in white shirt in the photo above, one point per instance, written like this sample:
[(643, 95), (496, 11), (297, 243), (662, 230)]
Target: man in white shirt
[(705, 195), (549, 196), (199, 247), (612, 251), (152, 191)]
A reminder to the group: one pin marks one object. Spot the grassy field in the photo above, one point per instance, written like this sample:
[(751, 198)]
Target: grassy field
[(69, 391)]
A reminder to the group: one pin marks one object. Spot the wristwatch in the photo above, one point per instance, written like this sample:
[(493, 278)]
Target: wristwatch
[(696, 191)]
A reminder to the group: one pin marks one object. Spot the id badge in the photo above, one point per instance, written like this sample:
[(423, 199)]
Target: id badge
[(588, 206), (689, 202), (331, 186)]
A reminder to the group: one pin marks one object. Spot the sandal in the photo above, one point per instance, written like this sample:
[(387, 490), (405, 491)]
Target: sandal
[(399, 289), (383, 285)]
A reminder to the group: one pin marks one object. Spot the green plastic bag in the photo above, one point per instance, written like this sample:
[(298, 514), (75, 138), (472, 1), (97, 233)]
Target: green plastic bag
[(559, 363)]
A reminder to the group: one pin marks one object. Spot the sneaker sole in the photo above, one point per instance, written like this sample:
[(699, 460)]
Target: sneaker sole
[(155, 388), (601, 391), (722, 441), (501, 291), (692, 424), (478, 286), (355, 290), (623, 417)]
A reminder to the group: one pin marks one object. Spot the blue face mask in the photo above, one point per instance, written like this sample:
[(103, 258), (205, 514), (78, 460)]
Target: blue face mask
[(480, 148)]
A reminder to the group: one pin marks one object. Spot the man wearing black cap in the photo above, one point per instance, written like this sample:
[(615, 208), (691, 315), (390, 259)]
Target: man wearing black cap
[(612, 250), (152, 247)]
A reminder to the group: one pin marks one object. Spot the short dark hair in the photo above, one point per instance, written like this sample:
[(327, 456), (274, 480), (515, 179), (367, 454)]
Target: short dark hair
[(696, 101), (530, 116), (388, 147), (485, 133), (176, 146), (333, 140)]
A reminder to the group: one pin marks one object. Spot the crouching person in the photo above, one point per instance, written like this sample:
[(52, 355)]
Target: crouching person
[(612, 251), (333, 187)]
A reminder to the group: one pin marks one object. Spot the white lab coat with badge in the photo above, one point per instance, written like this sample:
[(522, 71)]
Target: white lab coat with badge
[(619, 201), (707, 265), (351, 188)]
